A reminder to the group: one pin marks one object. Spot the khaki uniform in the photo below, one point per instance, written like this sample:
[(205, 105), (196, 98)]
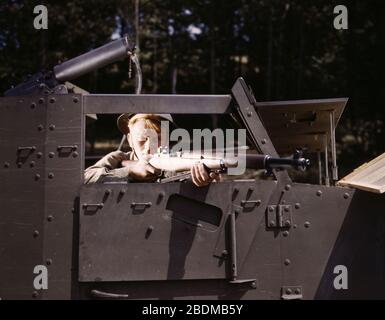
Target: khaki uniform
[(110, 166)]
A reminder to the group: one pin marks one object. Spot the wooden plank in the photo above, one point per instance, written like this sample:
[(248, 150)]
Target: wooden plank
[(369, 177), (371, 167), (374, 174), (362, 167), (364, 187)]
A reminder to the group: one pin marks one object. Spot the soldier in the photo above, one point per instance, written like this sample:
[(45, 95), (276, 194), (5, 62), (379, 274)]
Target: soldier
[(133, 165)]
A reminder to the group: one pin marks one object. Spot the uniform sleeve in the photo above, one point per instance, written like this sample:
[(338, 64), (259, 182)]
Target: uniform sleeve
[(108, 166)]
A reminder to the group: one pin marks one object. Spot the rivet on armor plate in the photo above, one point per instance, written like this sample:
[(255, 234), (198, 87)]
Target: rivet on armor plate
[(288, 291)]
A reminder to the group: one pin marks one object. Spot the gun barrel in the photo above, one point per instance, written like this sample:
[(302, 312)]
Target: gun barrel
[(261, 161), (299, 164), (95, 59), (256, 161)]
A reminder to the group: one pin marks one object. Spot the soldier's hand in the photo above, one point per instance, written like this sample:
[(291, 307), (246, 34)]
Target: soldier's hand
[(142, 171), (201, 176)]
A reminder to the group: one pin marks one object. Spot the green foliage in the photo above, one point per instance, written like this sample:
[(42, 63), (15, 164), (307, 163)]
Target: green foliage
[(284, 49)]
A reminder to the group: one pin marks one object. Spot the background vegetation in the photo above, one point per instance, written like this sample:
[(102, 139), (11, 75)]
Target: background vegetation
[(285, 49)]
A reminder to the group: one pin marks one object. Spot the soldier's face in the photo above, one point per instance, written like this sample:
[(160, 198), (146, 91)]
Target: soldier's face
[(142, 140)]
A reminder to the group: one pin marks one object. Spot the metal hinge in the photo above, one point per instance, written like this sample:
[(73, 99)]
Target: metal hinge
[(278, 216)]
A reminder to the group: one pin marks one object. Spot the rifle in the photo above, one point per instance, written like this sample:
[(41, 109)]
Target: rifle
[(182, 162)]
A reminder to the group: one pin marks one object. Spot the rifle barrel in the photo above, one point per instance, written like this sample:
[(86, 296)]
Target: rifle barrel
[(262, 161)]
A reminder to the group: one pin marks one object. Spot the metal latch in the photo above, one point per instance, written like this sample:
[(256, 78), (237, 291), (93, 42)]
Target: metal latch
[(69, 148), (24, 152), (278, 216), (140, 205), (92, 206)]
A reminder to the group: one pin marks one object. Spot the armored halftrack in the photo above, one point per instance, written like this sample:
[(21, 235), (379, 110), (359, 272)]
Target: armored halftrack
[(237, 239)]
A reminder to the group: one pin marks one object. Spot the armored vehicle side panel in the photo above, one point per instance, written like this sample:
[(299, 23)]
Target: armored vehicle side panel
[(240, 239)]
